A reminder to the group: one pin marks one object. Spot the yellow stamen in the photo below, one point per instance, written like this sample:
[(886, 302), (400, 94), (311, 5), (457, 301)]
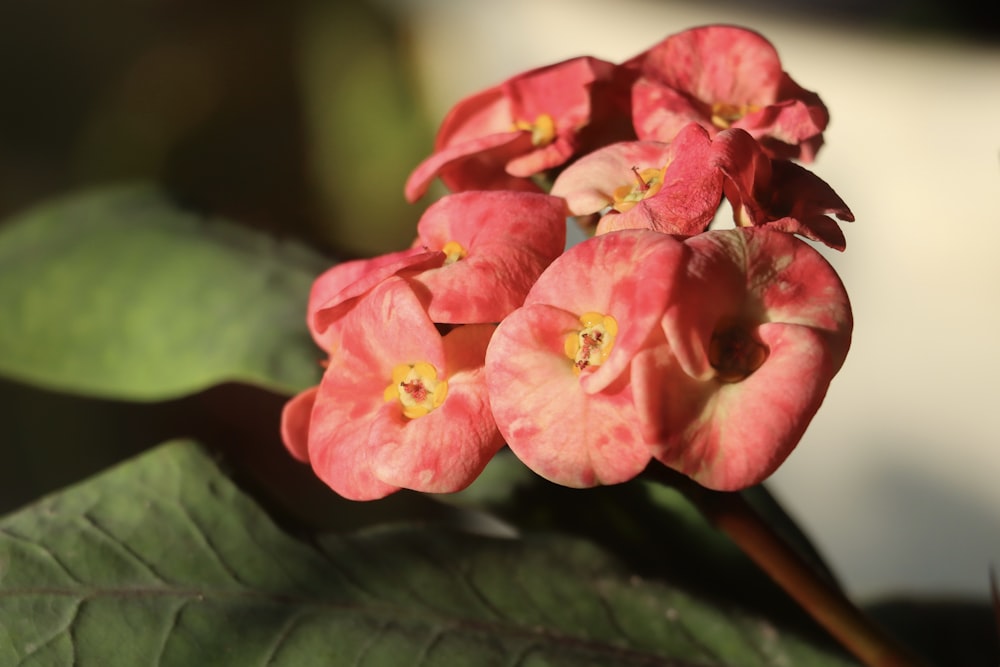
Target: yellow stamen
[(648, 183), (543, 129), (725, 114), (591, 345), (453, 252), (417, 388)]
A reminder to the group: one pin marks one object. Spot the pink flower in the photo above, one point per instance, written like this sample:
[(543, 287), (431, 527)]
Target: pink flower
[(500, 137), (496, 245), (673, 188), (759, 326), (399, 406), (559, 367), (475, 257), (725, 76), (777, 194)]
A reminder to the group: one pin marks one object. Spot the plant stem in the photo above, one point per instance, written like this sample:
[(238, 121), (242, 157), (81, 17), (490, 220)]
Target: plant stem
[(820, 597)]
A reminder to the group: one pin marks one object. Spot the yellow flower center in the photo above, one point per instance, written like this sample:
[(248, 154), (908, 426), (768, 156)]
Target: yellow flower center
[(725, 114), (543, 129), (734, 353), (648, 183), (417, 388), (453, 252), (591, 345)]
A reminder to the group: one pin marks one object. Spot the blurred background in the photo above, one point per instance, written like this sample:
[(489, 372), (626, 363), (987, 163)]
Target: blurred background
[(305, 117)]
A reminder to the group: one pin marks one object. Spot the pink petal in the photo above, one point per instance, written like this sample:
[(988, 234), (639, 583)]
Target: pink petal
[(477, 148), (627, 274), (562, 433), (728, 433), (336, 291), (660, 113), (446, 449), (777, 193), (477, 164), (588, 185), (695, 74), (387, 327), (742, 432), (716, 63), (295, 418), (509, 238)]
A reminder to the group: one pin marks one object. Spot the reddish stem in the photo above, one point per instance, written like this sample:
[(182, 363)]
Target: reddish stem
[(820, 597)]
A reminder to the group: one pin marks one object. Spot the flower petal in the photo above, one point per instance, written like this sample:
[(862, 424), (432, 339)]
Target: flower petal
[(562, 433), (509, 238), (446, 449)]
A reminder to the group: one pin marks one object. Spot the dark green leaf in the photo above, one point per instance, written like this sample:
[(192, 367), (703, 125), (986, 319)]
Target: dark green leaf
[(122, 294), (164, 561), (652, 527)]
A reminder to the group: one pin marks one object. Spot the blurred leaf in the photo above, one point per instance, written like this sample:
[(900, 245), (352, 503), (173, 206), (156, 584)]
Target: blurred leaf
[(120, 293), (367, 130), (164, 558)]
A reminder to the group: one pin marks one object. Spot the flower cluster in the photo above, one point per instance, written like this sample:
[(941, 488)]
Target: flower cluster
[(659, 337)]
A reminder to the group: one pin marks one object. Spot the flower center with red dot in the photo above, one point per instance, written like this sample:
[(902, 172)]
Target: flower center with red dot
[(592, 344), (417, 388), (648, 183)]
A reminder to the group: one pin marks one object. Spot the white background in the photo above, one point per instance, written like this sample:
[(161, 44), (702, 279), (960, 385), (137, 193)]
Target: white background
[(898, 478)]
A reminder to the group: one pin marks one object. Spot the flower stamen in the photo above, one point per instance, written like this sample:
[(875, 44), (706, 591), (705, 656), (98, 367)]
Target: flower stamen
[(417, 388), (453, 252), (648, 183), (543, 129), (591, 345), (724, 114)]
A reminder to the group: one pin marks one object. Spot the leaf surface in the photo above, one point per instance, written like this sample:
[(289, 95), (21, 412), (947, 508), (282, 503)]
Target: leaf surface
[(163, 560), (120, 293)]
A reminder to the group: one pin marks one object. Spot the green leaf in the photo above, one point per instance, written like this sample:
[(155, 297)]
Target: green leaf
[(164, 561), (121, 293), (652, 527)]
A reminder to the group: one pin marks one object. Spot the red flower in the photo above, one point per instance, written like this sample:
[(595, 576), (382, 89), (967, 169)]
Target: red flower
[(499, 138), (559, 368), (760, 326), (720, 77), (475, 257), (777, 194), (399, 406), (673, 188)]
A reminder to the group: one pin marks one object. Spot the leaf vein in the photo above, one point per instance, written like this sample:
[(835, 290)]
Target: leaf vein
[(281, 637), (45, 550), (213, 549), (95, 525)]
